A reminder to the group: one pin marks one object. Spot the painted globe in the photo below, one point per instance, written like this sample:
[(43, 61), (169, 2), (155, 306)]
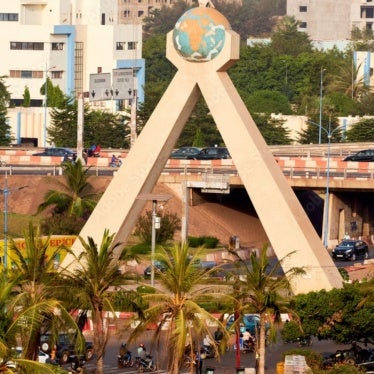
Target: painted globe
[(199, 35)]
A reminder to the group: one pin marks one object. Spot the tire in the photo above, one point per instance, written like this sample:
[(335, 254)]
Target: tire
[(45, 347), (350, 361), (153, 367), (89, 354), (64, 359)]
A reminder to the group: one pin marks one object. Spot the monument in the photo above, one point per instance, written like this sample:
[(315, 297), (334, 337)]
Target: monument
[(202, 46)]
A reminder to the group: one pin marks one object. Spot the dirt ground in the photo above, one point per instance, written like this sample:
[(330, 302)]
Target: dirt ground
[(205, 218)]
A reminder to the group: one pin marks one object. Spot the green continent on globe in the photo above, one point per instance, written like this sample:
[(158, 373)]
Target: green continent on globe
[(199, 34)]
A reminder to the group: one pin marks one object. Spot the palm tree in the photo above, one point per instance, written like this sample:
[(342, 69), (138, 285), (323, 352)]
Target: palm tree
[(76, 197), (92, 284), (35, 288), (174, 303), (261, 290)]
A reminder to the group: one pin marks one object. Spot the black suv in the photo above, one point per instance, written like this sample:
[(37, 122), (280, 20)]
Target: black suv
[(211, 153), (64, 344)]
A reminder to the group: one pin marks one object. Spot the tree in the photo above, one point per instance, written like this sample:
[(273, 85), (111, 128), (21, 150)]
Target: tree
[(92, 281), (260, 290), (100, 127), (272, 130), (55, 95), (310, 135), (288, 40), (268, 101), (5, 134), (36, 290), (26, 97), (169, 223), (75, 198), (174, 304), (362, 131)]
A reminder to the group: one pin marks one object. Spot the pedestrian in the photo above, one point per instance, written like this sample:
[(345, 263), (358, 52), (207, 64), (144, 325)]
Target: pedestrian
[(346, 236), (199, 363)]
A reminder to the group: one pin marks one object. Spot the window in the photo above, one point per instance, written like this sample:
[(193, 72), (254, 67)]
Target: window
[(303, 25), (367, 12), (131, 45), (13, 17), (303, 8), (27, 46), (56, 74), (25, 74), (140, 13), (120, 46), (57, 46), (126, 13)]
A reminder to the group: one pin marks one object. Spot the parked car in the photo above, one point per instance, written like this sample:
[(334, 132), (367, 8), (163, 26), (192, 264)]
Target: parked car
[(368, 365), (64, 344), (43, 358), (249, 322), (185, 152), (158, 265), (364, 155), (212, 153), (350, 250), (67, 153)]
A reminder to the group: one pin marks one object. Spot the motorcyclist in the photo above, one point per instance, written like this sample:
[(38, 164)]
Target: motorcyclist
[(144, 356), (124, 354)]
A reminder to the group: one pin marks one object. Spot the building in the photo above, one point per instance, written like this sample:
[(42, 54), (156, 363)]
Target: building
[(66, 41), (331, 19)]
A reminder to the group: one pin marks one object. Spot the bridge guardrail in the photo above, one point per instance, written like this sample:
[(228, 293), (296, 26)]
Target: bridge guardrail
[(291, 172)]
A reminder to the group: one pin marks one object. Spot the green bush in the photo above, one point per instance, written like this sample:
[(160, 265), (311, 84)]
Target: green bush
[(207, 241), (141, 249), (290, 332), (339, 369)]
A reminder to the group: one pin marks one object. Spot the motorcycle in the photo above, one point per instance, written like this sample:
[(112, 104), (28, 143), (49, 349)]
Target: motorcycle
[(145, 364), (304, 341), (248, 345), (125, 361), (207, 351), (77, 363)]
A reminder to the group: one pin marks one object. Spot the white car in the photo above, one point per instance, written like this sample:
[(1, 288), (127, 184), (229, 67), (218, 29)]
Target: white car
[(42, 358)]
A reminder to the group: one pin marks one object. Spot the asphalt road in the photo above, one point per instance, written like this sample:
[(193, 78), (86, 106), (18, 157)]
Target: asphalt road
[(227, 364)]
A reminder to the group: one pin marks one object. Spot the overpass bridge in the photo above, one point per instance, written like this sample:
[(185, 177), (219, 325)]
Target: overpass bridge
[(350, 185)]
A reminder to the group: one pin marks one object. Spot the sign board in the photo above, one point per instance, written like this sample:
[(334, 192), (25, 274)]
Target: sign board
[(100, 87), (123, 84)]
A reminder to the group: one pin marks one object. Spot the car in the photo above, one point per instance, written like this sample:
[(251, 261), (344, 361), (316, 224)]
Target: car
[(364, 155), (367, 366), (185, 152), (249, 322), (64, 345), (43, 358), (67, 153), (350, 250), (158, 265), (212, 153)]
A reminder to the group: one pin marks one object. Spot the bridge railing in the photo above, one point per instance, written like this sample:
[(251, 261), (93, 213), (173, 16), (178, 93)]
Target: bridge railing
[(292, 172)]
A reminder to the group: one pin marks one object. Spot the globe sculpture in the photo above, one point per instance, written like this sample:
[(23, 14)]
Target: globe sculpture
[(199, 34)]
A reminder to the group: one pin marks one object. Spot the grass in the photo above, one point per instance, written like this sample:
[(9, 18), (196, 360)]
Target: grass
[(17, 224)]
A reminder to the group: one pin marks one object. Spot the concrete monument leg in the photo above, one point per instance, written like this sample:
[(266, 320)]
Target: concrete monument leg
[(283, 218)]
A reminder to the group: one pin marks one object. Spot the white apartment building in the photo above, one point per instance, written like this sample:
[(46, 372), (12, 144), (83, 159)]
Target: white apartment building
[(332, 19), (67, 41)]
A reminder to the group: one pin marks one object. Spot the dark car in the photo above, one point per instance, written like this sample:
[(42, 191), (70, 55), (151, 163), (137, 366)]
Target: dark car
[(67, 153), (185, 152), (64, 344), (365, 155), (350, 250), (368, 365), (158, 265), (212, 153)]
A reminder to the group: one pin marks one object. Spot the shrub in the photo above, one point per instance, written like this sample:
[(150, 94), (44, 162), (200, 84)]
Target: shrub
[(290, 332), (207, 241)]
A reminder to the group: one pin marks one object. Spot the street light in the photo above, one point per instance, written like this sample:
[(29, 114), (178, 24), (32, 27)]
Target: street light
[(6, 191), (329, 132), (155, 224), (45, 102), (320, 106)]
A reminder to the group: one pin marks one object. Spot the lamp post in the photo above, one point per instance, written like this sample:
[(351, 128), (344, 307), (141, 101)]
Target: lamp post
[(155, 224), (46, 102), (6, 191), (320, 107)]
